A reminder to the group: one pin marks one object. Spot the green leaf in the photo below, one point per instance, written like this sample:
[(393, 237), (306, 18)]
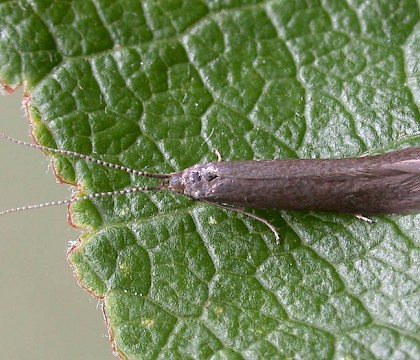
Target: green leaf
[(157, 85)]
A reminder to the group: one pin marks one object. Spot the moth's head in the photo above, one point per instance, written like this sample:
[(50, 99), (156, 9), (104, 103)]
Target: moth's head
[(177, 183), (194, 181)]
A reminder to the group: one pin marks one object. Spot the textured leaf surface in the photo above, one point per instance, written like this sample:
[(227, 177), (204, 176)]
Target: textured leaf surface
[(157, 85)]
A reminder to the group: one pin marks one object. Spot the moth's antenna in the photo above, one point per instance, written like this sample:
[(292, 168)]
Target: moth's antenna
[(91, 196), (81, 198), (87, 157)]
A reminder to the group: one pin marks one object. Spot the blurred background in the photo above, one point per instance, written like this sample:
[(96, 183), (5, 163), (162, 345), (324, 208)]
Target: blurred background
[(43, 312)]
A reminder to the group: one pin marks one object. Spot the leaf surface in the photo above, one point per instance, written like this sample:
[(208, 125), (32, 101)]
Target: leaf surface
[(157, 85)]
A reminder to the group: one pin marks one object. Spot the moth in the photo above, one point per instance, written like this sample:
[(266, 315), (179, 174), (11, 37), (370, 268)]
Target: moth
[(377, 184)]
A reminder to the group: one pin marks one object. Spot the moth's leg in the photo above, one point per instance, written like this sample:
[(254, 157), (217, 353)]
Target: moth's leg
[(364, 218), (256, 217), (217, 153)]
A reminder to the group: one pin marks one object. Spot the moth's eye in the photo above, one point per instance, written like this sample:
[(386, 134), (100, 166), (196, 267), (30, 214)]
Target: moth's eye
[(210, 176), (195, 177)]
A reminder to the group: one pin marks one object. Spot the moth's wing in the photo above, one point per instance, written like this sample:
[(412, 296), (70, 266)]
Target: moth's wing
[(409, 171), (406, 166), (406, 161), (405, 173)]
